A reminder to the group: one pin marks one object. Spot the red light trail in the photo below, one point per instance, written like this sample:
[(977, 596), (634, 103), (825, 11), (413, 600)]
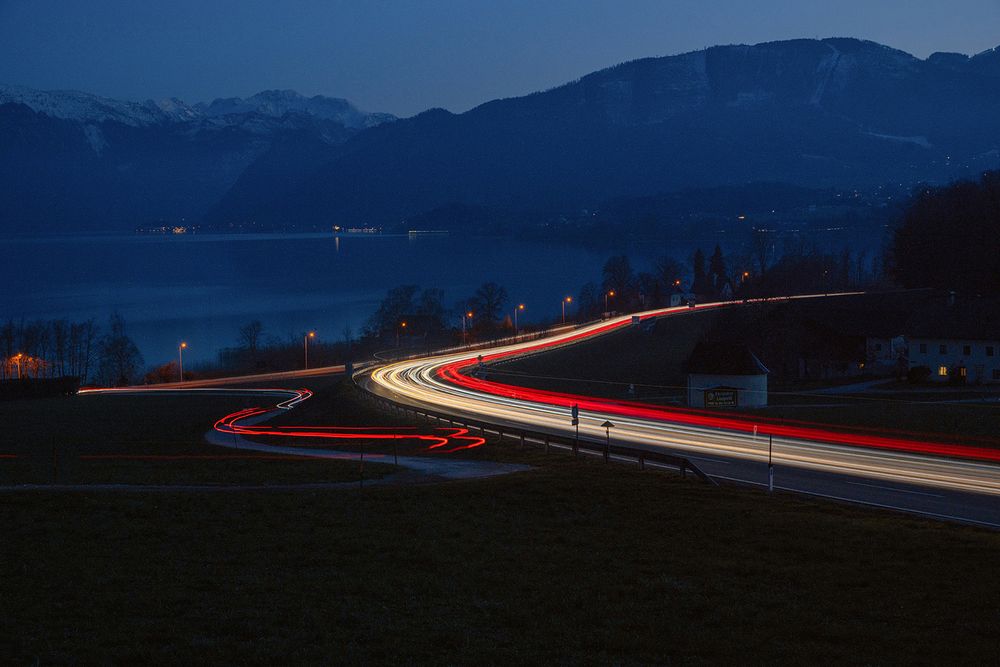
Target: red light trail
[(442, 440)]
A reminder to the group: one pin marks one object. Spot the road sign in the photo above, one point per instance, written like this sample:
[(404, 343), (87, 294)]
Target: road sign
[(575, 412), (574, 422), (607, 426)]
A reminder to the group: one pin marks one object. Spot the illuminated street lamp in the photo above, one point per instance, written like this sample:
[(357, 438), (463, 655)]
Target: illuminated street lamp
[(180, 358), (305, 345), (610, 293), (568, 299), (465, 316), (402, 325), (520, 306), (18, 358)]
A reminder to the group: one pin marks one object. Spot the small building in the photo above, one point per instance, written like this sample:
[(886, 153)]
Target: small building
[(725, 375), (681, 298), (959, 341)]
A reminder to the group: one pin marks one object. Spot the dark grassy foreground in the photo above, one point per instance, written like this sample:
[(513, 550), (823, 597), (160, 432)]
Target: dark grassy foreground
[(575, 561), (54, 438), (572, 562)]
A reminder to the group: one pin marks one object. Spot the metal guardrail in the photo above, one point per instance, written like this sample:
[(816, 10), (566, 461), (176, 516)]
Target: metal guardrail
[(539, 438)]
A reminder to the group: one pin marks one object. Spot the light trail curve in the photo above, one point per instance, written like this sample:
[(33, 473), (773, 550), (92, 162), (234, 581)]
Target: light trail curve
[(447, 383)]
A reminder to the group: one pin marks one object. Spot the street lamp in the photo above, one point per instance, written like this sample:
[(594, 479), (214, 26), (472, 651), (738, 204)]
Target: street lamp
[(17, 358), (180, 358), (520, 306), (568, 299), (305, 344), (465, 316), (402, 325), (610, 293)]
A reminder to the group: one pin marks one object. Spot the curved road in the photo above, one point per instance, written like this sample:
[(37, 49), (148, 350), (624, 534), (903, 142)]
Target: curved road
[(229, 431), (892, 470)]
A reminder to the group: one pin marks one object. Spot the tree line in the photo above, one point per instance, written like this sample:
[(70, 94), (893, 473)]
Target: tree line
[(949, 238), (61, 348)]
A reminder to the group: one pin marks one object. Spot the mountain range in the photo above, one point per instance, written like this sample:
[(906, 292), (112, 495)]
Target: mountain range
[(72, 161), (832, 113)]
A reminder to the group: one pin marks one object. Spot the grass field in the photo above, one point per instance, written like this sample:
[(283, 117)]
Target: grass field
[(573, 561), (64, 439)]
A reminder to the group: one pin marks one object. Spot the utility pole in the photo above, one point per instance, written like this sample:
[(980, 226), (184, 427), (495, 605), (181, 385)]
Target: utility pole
[(575, 413), (770, 464)]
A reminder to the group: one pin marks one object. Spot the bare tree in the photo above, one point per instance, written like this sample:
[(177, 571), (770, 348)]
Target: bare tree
[(669, 272), (488, 302), (762, 247), (250, 334), (120, 358)]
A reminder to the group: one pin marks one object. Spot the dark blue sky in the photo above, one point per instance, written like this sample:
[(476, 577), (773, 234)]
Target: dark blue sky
[(405, 56)]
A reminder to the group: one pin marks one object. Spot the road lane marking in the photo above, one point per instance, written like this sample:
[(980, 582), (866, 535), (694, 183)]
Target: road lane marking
[(708, 458), (891, 488)]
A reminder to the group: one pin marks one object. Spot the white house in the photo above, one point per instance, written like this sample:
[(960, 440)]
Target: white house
[(958, 342), (725, 375), (957, 359)]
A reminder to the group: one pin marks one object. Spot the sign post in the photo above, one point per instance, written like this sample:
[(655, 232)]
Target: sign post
[(607, 443)]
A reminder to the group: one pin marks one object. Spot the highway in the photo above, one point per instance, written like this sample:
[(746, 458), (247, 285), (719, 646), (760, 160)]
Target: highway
[(891, 470)]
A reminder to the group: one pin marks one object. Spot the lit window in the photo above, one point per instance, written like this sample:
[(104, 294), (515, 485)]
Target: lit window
[(963, 371), (943, 371)]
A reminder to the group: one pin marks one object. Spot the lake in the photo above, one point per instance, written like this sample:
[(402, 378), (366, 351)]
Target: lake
[(202, 288)]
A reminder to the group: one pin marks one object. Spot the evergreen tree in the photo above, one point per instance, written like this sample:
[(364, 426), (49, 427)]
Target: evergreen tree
[(717, 276), (699, 283)]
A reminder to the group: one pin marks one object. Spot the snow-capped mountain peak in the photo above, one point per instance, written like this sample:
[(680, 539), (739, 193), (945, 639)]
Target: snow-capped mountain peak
[(75, 105), (88, 108)]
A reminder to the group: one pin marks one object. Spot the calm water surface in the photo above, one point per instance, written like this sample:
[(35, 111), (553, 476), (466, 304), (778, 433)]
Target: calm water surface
[(201, 289)]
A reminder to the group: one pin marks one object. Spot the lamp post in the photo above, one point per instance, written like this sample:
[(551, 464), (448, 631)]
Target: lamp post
[(402, 325), (520, 306), (610, 293), (17, 358), (305, 345), (465, 316), (180, 358), (568, 299)]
